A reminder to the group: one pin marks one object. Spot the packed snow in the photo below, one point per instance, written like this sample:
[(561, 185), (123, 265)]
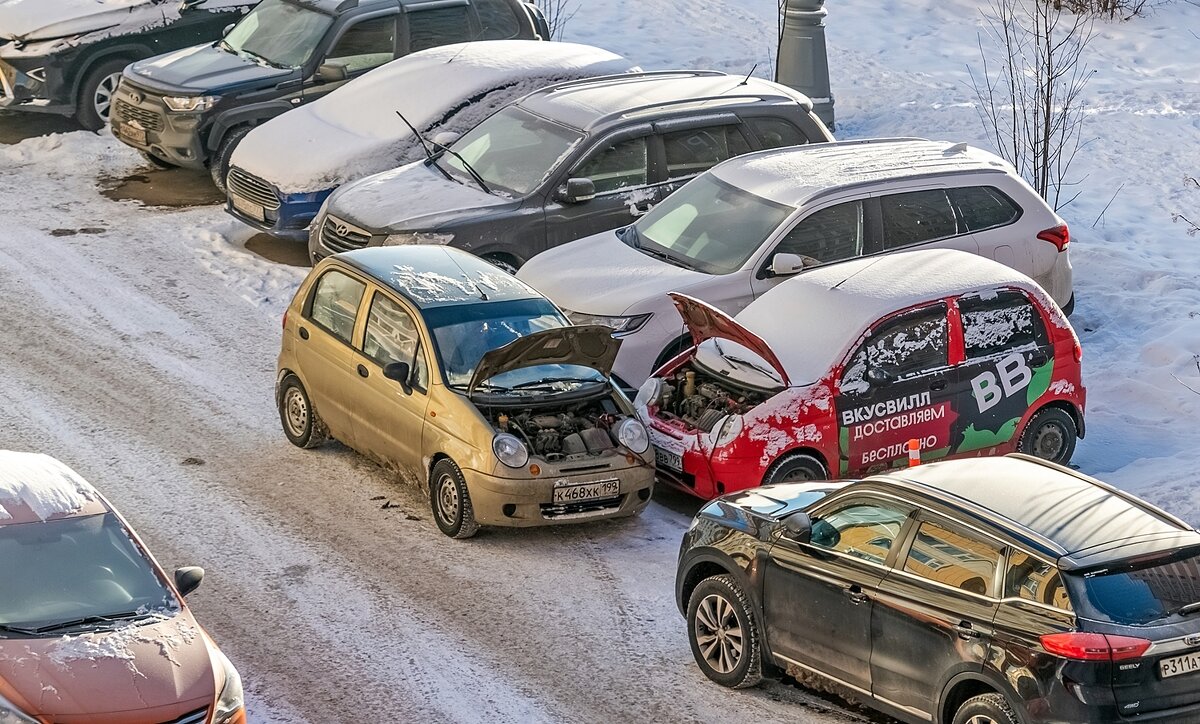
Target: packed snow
[(41, 483)]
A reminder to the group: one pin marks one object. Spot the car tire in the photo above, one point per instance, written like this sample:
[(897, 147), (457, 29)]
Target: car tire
[(156, 161), (96, 94), (1050, 435), (795, 468), (723, 633), (451, 501), (986, 709), (503, 261), (218, 165), (302, 424)]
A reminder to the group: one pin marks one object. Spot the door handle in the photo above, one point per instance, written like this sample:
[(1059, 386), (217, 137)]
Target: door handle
[(363, 371), (855, 594), (303, 333), (965, 631), (937, 385)]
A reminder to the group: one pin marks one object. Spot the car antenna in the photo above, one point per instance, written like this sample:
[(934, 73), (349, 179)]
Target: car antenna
[(860, 271), (465, 46), (747, 78)]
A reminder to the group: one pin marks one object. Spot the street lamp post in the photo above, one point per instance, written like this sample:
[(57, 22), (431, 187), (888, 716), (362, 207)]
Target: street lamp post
[(803, 63)]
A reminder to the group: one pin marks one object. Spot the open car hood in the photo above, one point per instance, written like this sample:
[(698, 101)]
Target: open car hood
[(587, 345), (705, 321)]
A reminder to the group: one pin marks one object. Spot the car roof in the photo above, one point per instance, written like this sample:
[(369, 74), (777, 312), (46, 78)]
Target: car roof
[(334, 7), (593, 103), (431, 275), (796, 175), (1079, 520), (36, 487)]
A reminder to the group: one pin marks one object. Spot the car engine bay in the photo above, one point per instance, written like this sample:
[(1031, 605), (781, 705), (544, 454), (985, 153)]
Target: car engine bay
[(562, 431), (701, 400)]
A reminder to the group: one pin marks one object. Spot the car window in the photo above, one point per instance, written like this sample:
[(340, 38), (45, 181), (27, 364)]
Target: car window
[(391, 336), (983, 207), (335, 303), (438, 26), (830, 234), (906, 346), (365, 45), (1033, 579), (915, 217), (617, 166), (998, 324), (862, 529), (776, 132), (1140, 592), (497, 19), (699, 149), (955, 558)]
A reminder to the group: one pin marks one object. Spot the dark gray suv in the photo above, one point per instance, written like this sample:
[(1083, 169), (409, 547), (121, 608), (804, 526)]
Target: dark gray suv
[(564, 162)]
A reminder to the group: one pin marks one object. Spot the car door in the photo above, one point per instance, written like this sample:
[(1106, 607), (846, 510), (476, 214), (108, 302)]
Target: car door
[(984, 211), (896, 387), (818, 596), (1008, 362), (325, 352), (832, 233), (921, 218), (933, 612), (387, 420), (361, 45)]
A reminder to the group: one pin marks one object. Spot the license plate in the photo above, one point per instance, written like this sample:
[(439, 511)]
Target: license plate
[(668, 459), (586, 491), (132, 133), (249, 208), (1177, 665)]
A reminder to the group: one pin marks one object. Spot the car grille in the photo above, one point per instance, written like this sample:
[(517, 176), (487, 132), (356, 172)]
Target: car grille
[(337, 235), (148, 120), (551, 511), (192, 717), (252, 188)]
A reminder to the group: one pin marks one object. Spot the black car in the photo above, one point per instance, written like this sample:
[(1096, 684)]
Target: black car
[(997, 590), (191, 107), (66, 57), (567, 161)]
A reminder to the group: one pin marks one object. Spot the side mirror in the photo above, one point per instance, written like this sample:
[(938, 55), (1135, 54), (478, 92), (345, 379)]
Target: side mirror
[(445, 138), (880, 375), (187, 579), (578, 190), (400, 372), (783, 264), (227, 29), (798, 527), (330, 73)]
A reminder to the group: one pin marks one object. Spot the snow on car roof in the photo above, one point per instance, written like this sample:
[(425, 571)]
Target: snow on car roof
[(796, 174), (354, 131), (431, 275), (826, 309), (585, 104), (37, 487)]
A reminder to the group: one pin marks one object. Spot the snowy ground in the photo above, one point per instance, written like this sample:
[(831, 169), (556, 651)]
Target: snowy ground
[(140, 343)]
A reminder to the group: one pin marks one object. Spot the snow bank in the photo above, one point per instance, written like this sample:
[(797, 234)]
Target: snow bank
[(41, 483)]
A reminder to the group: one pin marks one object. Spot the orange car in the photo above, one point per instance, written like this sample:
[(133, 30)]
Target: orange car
[(91, 628)]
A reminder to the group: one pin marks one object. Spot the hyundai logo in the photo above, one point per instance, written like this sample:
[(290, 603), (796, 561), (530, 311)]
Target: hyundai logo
[(1192, 640), (136, 97), (341, 229)]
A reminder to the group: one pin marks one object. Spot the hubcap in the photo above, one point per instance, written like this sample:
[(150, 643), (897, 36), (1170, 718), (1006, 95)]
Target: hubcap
[(1048, 442), (447, 499), (981, 719), (104, 93), (797, 474), (718, 634), (295, 409)]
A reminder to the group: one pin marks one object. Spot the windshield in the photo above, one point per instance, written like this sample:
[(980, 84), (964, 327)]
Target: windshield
[(279, 33), (74, 568), (513, 150), (708, 225), (1141, 593)]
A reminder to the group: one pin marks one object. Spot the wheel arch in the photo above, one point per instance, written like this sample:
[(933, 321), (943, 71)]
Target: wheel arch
[(671, 350), (434, 459), (86, 63), (251, 115), (812, 452), (1065, 405), (968, 684)]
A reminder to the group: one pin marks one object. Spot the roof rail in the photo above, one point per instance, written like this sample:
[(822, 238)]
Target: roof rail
[(627, 77)]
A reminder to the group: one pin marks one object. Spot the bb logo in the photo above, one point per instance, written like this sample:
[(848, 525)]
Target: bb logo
[(1011, 375)]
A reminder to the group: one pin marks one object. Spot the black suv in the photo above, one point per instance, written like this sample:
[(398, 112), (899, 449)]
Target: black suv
[(190, 108), (567, 161), (997, 590), (66, 58)]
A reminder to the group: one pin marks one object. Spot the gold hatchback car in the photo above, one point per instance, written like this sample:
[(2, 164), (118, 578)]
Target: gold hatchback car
[(437, 364)]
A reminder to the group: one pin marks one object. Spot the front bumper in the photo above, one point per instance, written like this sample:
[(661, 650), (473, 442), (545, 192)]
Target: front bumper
[(258, 203), (528, 501), (22, 90), (140, 119)]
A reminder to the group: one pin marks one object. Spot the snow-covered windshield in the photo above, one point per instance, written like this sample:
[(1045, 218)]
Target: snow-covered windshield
[(64, 570), (279, 33), (708, 225), (462, 334), (513, 150)]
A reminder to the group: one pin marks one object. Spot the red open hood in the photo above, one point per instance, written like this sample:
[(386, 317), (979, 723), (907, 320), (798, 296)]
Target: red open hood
[(705, 321)]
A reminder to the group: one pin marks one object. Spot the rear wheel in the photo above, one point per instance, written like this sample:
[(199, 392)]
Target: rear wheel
[(1050, 435), (301, 423), (795, 468), (95, 99), (986, 709), (723, 633), (450, 500), (218, 165)]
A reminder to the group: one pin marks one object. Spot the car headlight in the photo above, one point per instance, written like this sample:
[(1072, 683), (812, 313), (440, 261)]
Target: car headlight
[(509, 450), (619, 325), (632, 435), (727, 430), (190, 104), (406, 238), (10, 714), (648, 393), (230, 702)]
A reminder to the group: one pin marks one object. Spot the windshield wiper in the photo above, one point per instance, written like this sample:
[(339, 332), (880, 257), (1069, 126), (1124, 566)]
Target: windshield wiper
[(738, 360), (474, 174), (263, 59), (1190, 608), (89, 620), (432, 158), (18, 629), (552, 380)]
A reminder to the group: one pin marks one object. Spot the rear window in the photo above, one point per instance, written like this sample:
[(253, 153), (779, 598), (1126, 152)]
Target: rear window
[(438, 26), (1140, 593), (999, 323), (983, 207)]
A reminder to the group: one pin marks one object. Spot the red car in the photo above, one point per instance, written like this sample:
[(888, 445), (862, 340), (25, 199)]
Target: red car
[(832, 373)]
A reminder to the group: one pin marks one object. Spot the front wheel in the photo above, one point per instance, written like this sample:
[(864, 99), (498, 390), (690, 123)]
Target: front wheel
[(986, 709), (1050, 435), (218, 165), (722, 631), (94, 104), (795, 468), (451, 501)]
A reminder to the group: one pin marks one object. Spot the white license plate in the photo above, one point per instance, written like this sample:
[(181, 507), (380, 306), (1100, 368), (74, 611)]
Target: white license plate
[(586, 491), (1177, 665), (132, 133), (668, 459), (249, 208)]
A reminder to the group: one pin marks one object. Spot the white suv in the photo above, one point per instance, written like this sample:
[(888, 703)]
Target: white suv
[(742, 227)]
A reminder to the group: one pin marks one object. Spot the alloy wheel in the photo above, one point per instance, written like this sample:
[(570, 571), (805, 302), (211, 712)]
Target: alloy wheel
[(104, 92), (447, 500), (296, 411), (718, 634), (981, 719)]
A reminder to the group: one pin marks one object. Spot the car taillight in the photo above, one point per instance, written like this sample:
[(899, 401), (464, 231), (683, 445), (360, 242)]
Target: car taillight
[(1060, 236), (1078, 351), (1080, 646)]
